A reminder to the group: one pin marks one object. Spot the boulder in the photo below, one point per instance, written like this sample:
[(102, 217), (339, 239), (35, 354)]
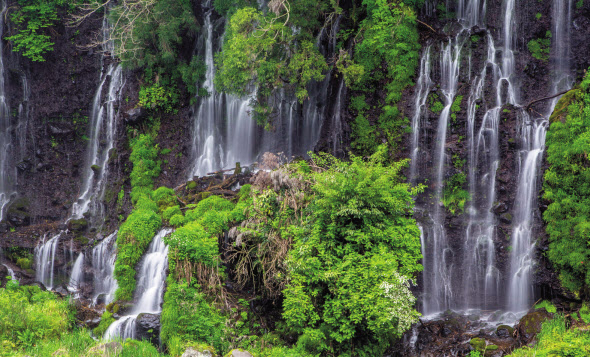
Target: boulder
[(239, 353), (109, 349), (148, 328), (197, 352), (530, 325), (504, 331), (18, 212), (3, 276), (135, 115)]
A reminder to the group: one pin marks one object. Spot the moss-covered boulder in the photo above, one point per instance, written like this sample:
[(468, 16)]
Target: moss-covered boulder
[(18, 212), (478, 344), (504, 331), (530, 324)]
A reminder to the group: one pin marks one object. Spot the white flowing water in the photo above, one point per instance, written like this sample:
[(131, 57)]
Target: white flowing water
[(103, 266), (224, 131), (7, 168), (438, 256), (102, 129), (533, 132), (45, 260), (150, 288), (77, 276), (103, 117)]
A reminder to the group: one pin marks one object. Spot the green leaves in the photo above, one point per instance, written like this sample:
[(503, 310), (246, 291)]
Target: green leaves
[(32, 18), (346, 268), (567, 188)]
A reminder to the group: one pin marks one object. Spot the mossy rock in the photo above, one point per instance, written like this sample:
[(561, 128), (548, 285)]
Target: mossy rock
[(82, 240), (238, 352), (77, 225), (205, 195), (238, 169), (478, 344), (530, 324), (560, 111), (504, 330), (96, 168), (105, 349), (113, 307), (191, 185)]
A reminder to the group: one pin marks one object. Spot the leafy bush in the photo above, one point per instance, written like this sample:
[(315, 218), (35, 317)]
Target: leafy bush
[(171, 211), (32, 18), (349, 271), (547, 305), (555, 339), (29, 316), (454, 196), (146, 167), (187, 317), (540, 48), (567, 189), (105, 321)]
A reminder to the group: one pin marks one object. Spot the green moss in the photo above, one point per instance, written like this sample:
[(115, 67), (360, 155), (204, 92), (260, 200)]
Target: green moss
[(479, 344), (547, 305), (24, 263), (541, 48), (585, 313), (191, 185), (105, 321), (560, 110)]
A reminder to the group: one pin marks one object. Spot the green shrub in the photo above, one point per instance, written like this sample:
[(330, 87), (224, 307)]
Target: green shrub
[(567, 188), (32, 20), (171, 211), (547, 305), (541, 48), (454, 196), (555, 339), (187, 317), (177, 220), (105, 321), (164, 197), (29, 315)]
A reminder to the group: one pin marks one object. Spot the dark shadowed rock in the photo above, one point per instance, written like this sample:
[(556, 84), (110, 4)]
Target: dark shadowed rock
[(61, 129), (148, 327), (135, 115)]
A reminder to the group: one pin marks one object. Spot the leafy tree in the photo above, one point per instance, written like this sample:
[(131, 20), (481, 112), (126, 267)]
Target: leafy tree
[(32, 18), (567, 188), (350, 271)]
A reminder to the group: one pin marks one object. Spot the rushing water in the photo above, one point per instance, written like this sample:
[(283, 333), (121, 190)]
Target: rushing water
[(533, 132), (149, 290), (466, 276), (103, 266), (7, 169), (102, 124), (224, 131)]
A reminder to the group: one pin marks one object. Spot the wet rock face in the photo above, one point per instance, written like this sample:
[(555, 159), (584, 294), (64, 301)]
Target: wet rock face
[(148, 328)]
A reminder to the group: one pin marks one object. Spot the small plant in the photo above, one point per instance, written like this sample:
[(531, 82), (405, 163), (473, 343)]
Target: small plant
[(541, 48), (538, 16)]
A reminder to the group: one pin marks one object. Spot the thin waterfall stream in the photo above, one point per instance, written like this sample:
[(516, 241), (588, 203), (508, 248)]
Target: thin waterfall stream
[(102, 124), (150, 288)]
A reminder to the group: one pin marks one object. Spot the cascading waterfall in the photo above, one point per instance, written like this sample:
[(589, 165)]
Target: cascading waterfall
[(150, 288), (10, 271), (45, 260), (533, 132), (7, 170), (77, 276), (438, 258), (103, 266), (207, 150), (103, 117), (224, 131), (102, 139)]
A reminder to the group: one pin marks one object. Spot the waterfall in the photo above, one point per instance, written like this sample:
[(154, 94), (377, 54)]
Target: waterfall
[(206, 147), (224, 131), (77, 276), (102, 124), (7, 169), (533, 132), (101, 141), (103, 266), (45, 260), (149, 290), (438, 258), (423, 87), (10, 271)]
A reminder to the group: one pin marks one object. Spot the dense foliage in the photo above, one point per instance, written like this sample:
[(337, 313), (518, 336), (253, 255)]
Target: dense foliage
[(556, 339), (137, 231), (388, 39), (271, 49), (32, 19), (567, 188)]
